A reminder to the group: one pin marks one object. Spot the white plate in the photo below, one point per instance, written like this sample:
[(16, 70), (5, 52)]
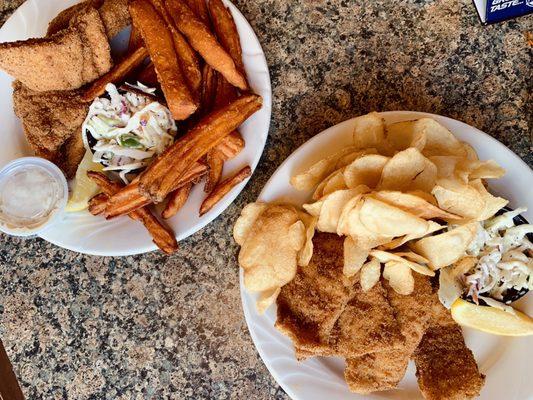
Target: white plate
[(505, 361), (85, 233)]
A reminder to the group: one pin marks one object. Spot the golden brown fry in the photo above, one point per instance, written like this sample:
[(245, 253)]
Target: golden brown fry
[(205, 43), (215, 164), (160, 44), (177, 199), (159, 178), (231, 145), (135, 41), (199, 8), (226, 31), (187, 58), (148, 76), (117, 73), (162, 236), (98, 203), (130, 197), (223, 188)]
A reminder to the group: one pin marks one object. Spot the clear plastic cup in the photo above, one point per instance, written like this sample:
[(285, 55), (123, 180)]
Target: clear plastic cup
[(33, 196)]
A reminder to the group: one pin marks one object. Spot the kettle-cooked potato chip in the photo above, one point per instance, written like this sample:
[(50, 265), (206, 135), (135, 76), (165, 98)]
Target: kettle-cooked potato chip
[(369, 131), (354, 256), (266, 299), (405, 134), (370, 273), (471, 154), (395, 243), (277, 227), (459, 198), (400, 277), (317, 172), (446, 248), (332, 207), (408, 170), (384, 219), (412, 204), (365, 170), (439, 140), (305, 254), (475, 169), (492, 203), (385, 256), (244, 223), (333, 183)]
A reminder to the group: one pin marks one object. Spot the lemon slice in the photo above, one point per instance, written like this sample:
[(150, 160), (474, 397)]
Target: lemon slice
[(491, 320), (82, 187)]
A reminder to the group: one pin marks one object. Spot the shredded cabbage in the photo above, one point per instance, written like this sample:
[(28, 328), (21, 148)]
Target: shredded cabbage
[(129, 128), (504, 258)]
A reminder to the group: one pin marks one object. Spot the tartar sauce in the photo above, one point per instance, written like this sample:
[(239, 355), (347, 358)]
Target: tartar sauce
[(31, 194)]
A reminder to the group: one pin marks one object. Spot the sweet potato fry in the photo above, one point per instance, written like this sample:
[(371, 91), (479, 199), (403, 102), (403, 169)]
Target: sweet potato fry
[(160, 44), (215, 164), (199, 8), (226, 31), (209, 88), (162, 236), (159, 178), (135, 41), (187, 58), (223, 188), (97, 204), (130, 197), (148, 76), (231, 145), (117, 73), (176, 200), (205, 43)]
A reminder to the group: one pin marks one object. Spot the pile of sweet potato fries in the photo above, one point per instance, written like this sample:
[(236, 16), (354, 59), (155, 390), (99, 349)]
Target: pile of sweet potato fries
[(195, 59)]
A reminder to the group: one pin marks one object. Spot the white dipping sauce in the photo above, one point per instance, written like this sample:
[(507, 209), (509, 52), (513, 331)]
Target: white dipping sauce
[(30, 195)]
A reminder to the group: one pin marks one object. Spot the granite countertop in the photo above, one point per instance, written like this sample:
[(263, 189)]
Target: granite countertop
[(153, 326)]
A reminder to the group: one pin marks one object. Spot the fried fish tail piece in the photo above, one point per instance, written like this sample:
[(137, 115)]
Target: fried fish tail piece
[(445, 367), (158, 39), (163, 237), (205, 43), (160, 177)]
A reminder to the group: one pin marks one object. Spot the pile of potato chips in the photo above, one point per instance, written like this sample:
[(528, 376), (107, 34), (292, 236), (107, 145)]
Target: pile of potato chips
[(408, 195), (274, 240)]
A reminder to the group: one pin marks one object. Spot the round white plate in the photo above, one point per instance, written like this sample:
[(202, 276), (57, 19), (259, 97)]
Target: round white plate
[(85, 233), (505, 361)]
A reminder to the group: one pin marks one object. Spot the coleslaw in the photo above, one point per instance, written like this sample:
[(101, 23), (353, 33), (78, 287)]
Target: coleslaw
[(130, 129)]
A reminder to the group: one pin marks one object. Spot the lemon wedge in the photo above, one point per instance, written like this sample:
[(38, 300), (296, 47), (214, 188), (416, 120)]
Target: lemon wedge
[(491, 320), (82, 187)]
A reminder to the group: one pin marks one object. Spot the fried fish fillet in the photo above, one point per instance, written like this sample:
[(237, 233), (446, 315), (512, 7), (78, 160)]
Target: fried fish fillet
[(383, 370), (445, 367), (114, 14), (311, 303), (64, 61), (326, 314), (52, 124)]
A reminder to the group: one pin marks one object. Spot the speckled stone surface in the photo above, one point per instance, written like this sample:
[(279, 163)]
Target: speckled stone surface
[(158, 327)]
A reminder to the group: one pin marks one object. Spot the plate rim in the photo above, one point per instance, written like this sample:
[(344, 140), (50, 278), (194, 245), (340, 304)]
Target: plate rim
[(246, 297), (150, 246)]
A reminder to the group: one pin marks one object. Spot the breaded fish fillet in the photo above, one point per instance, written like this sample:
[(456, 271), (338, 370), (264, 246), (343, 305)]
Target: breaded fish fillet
[(311, 303), (114, 14), (385, 369), (366, 325), (52, 124), (445, 367), (64, 61), (325, 313)]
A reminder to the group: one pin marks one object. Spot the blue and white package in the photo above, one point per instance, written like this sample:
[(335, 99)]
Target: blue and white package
[(491, 11)]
